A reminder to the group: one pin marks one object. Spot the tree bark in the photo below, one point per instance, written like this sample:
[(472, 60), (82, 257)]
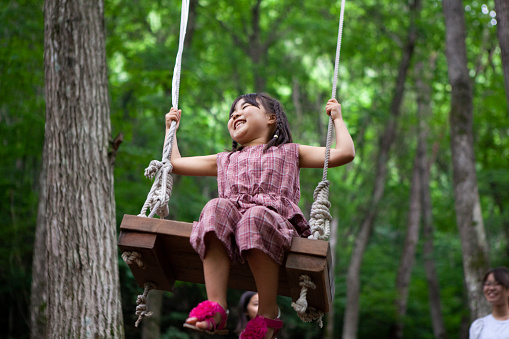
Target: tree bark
[(467, 205), (408, 253), (83, 289), (424, 113), (151, 326), (502, 9), (351, 318)]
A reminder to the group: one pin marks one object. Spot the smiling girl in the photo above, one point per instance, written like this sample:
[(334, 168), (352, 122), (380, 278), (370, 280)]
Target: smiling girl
[(256, 215), (496, 292)]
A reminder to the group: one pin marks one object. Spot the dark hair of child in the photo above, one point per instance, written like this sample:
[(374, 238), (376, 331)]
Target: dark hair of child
[(242, 309), (282, 134)]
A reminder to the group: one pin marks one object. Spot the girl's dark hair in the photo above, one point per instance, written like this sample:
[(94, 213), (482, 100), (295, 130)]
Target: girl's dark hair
[(242, 309), (501, 275), (271, 106)]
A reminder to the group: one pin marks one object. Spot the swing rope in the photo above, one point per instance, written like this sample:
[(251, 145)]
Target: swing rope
[(160, 193), (320, 217)]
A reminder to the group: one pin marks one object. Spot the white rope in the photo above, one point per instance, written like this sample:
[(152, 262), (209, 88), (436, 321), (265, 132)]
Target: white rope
[(305, 313), (160, 193), (320, 217), (133, 258), (142, 308)]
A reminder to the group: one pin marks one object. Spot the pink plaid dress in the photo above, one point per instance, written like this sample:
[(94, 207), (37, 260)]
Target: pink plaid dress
[(257, 204)]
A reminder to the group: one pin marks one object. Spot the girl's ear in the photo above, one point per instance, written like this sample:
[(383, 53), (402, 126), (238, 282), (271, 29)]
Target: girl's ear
[(272, 119)]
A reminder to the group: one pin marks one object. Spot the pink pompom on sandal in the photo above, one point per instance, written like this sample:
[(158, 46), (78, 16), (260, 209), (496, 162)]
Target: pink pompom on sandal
[(257, 328), (205, 311)]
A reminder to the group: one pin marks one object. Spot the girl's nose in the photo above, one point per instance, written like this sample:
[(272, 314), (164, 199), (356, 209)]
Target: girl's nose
[(235, 115)]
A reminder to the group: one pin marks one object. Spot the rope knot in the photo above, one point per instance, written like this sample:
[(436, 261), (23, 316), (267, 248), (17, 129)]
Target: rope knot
[(305, 313), (153, 168), (320, 217), (142, 308), (133, 257)]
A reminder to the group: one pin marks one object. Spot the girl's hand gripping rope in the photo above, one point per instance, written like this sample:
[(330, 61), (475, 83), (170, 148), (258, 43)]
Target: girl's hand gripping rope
[(173, 115)]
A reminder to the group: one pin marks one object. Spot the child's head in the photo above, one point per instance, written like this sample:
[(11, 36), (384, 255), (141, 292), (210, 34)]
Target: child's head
[(495, 282), (281, 134), (248, 308)]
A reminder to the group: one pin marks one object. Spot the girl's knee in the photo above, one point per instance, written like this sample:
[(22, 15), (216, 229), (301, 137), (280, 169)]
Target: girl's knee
[(220, 203)]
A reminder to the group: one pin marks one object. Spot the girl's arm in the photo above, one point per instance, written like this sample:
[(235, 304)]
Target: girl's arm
[(343, 153), (198, 166)]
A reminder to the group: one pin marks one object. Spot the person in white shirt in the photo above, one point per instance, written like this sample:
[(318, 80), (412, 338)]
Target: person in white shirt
[(496, 291)]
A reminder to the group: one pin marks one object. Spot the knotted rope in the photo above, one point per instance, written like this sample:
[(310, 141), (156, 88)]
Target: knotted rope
[(142, 309), (160, 193), (305, 313), (320, 217), (133, 258)]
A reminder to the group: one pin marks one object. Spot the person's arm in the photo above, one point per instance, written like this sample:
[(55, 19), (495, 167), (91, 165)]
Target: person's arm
[(343, 153), (197, 166)]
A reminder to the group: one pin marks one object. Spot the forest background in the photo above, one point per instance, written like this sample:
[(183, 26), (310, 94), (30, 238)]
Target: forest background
[(285, 48)]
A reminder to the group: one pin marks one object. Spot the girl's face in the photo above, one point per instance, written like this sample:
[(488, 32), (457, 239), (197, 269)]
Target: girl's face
[(252, 307), (250, 125), (495, 293)]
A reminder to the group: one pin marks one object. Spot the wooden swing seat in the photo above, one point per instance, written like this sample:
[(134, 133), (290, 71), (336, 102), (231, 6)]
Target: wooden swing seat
[(167, 256)]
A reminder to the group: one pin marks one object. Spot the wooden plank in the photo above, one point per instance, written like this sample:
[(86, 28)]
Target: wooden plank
[(160, 226), (307, 246), (183, 229), (168, 255)]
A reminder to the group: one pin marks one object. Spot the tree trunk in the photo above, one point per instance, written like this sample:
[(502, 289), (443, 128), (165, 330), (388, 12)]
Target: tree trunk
[(351, 318), (151, 326), (467, 205), (38, 293), (424, 113), (329, 333), (83, 289), (408, 253), (502, 9)]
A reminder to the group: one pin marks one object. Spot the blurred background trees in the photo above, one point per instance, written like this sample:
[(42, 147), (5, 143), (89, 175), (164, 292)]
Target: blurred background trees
[(285, 48)]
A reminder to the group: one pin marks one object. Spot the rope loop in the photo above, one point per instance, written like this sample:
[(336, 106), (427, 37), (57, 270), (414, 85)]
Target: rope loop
[(133, 258), (305, 313), (141, 301), (320, 217)]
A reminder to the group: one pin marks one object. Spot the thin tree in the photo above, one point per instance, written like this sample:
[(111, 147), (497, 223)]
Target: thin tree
[(38, 293), (351, 317), (408, 254), (502, 9), (467, 205), (78, 215), (424, 113)]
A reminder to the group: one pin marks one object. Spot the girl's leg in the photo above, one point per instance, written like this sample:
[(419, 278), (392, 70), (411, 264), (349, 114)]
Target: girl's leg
[(266, 275), (216, 268)]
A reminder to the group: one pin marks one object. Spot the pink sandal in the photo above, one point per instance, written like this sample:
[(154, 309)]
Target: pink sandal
[(257, 328), (205, 311)]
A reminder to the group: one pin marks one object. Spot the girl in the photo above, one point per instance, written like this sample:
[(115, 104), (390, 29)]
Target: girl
[(256, 215), (496, 292)]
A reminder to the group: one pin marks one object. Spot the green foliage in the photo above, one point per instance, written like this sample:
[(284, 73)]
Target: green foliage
[(21, 137)]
